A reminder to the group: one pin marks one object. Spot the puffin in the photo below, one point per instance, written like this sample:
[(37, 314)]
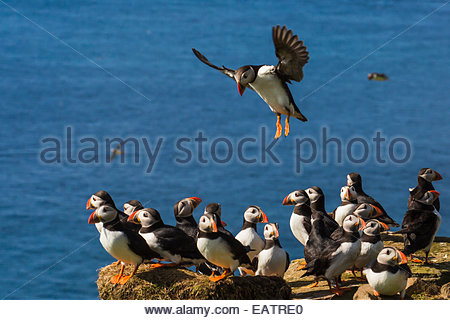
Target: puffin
[(300, 221), (121, 242), (102, 197), (333, 255), (389, 273), (249, 236), (367, 211), (220, 248), (424, 183), (216, 210), (183, 211), (420, 225), (317, 199), (273, 260), (270, 82), (371, 245), (132, 206), (377, 76), (171, 243), (354, 179), (348, 204)]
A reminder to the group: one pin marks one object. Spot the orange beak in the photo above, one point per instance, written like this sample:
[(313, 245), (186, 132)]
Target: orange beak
[(288, 201), (363, 224), (264, 217), (277, 234), (384, 225), (133, 217), (438, 176), (241, 88), (223, 224), (213, 224), (378, 212), (195, 201), (402, 257), (89, 205), (348, 194), (435, 192), (93, 218)]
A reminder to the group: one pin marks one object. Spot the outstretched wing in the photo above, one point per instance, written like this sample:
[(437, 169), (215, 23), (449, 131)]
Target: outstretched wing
[(223, 69), (291, 54)]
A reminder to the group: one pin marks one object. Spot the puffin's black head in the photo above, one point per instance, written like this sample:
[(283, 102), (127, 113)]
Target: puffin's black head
[(271, 231), (104, 213), (353, 179), (429, 174), (98, 199), (132, 206), (243, 76), (374, 227), (314, 193), (367, 211), (146, 217), (208, 223), (428, 197), (296, 197), (254, 214), (348, 193), (186, 206), (391, 256), (353, 223), (215, 208)]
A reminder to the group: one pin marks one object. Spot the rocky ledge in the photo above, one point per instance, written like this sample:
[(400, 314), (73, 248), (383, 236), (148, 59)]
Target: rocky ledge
[(429, 282)]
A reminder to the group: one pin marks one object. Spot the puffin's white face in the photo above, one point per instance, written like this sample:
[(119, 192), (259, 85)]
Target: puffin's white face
[(105, 213), (431, 175), (313, 194), (247, 77), (254, 214), (391, 256), (429, 197), (186, 207), (374, 227), (296, 197), (271, 231), (349, 180), (207, 223), (348, 193), (128, 208), (144, 217), (95, 202), (367, 211), (352, 223)]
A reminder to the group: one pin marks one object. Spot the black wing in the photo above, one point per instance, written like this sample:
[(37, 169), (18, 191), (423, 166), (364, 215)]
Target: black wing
[(138, 245), (418, 221), (288, 261), (291, 53), (238, 250), (224, 70), (177, 241)]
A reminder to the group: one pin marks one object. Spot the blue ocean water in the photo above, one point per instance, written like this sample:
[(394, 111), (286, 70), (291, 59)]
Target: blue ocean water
[(125, 69)]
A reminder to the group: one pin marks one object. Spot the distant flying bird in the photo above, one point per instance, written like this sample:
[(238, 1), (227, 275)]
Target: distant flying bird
[(270, 82), (377, 76), (116, 151)]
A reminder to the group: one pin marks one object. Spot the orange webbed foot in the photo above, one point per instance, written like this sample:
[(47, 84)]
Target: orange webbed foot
[(313, 285), (225, 274), (376, 293), (163, 265), (124, 279), (338, 292), (116, 278), (286, 127), (279, 127)]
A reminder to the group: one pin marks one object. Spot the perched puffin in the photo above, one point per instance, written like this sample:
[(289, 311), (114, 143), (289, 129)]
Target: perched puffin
[(169, 242), (220, 248), (420, 225), (101, 198), (377, 76), (300, 221), (367, 211), (371, 244), (317, 199), (216, 209), (248, 235), (348, 204), (132, 206), (389, 273), (424, 183), (270, 82), (354, 179), (336, 254), (119, 241), (273, 260), (183, 211)]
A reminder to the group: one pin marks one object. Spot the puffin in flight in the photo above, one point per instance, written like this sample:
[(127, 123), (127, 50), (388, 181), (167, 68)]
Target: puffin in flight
[(270, 82)]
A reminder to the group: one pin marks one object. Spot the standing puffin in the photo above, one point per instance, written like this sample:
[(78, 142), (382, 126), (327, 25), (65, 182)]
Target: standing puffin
[(248, 235), (220, 248), (371, 245), (183, 211), (169, 242), (119, 241), (273, 260), (424, 183), (355, 180), (300, 221), (317, 199), (389, 273), (270, 82), (216, 210), (420, 225), (348, 204), (132, 206)]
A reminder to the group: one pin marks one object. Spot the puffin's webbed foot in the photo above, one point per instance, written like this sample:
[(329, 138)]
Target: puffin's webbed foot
[(279, 127)]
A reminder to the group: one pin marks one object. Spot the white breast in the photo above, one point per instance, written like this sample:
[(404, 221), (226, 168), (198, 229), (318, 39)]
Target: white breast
[(369, 251), (152, 242), (298, 228), (249, 237), (272, 262), (387, 283), (343, 211), (116, 244), (217, 251), (343, 259)]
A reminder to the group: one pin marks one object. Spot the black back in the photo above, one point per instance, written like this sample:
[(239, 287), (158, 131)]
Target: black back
[(418, 228), (419, 191)]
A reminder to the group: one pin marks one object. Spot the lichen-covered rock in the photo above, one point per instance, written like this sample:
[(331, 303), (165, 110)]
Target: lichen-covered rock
[(366, 292), (418, 286), (445, 291), (179, 283)]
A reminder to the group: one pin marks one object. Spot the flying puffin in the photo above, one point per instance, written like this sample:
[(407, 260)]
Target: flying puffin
[(317, 199), (377, 76), (121, 242), (220, 248), (183, 211), (132, 206), (270, 82), (424, 183), (171, 243), (248, 235), (371, 244), (420, 225), (300, 221), (354, 179), (348, 204), (336, 254), (273, 260), (389, 273)]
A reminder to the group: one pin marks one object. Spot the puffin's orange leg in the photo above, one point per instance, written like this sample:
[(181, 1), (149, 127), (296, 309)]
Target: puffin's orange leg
[(117, 262), (225, 274), (163, 265), (312, 285), (302, 265), (125, 279), (338, 290), (279, 127), (117, 277), (415, 259), (375, 293), (286, 127)]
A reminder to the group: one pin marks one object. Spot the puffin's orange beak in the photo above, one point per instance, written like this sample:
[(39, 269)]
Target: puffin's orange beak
[(93, 218), (277, 234), (363, 224), (213, 224), (223, 224), (438, 176), (195, 201), (288, 201), (89, 205), (241, 88), (402, 257), (378, 210), (133, 217), (264, 217), (435, 192), (348, 194), (384, 225)]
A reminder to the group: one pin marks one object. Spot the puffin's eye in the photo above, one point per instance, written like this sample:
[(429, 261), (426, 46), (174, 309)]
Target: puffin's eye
[(388, 251), (145, 214)]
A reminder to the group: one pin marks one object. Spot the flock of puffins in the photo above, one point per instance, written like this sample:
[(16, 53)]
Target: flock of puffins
[(347, 238)]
